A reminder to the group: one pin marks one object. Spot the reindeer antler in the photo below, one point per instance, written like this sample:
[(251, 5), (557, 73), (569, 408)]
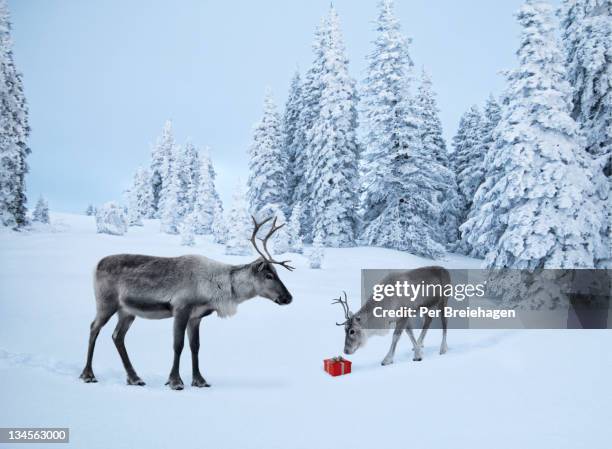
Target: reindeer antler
[(345, 307), (267, 256)]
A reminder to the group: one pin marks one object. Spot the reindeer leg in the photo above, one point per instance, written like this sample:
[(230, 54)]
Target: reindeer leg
[(418, 353), (444, 346), (181, 317), (411, 335), (123, 325), (193, 332), (399, 327), (99, 321)]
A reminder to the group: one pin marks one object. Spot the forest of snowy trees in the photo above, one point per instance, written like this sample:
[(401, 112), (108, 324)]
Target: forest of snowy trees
[(525, 182), (525, 185)]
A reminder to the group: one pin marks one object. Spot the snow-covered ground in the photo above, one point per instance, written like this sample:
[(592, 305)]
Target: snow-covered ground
[(493, 389)]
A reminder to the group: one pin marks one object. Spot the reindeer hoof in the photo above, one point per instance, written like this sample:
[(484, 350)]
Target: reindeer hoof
[(200, 383), (175, 384), (135, 381), (88, 377), (417, 359), (386, 362)]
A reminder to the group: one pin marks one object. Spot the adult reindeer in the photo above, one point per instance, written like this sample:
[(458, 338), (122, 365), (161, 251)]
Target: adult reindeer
[(360, 325), (186, 288)]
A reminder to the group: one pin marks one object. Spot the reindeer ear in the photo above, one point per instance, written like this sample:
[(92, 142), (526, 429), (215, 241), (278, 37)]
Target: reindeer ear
[(259, 265)]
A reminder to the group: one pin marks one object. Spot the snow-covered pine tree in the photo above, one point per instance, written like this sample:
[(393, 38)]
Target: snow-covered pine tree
[(90, 211), (316, 253), (333, 149), (289, 129), (467, 159), (586, 27), (296, 241), (414, 179), (433, 143), (140, 197), (187, 230), (311, 105), (239, 226), (490, 119), (389, 65), (14, 131), (403, 179), (41, 211), (538, 204), (207, 198), (186, 168), (161, 161), (170, 208), (267, 165), (110, 219), (133, 216), (431, 126), (218, 227)]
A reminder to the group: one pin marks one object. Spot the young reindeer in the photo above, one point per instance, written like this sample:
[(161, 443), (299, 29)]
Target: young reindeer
[(186, 288), (359, 326)]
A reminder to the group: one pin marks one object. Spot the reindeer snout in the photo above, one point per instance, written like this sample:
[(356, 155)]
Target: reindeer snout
[(285, 299)]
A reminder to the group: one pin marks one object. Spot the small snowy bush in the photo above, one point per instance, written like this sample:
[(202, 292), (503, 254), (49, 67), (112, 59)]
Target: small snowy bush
[(218, 227), (110, 219), (41, 211), (315, 256)]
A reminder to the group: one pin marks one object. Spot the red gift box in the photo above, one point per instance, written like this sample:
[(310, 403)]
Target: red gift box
[(337, 366)]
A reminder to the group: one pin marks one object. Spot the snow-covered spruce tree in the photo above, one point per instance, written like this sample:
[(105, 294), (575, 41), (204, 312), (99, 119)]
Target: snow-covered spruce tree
[(90, 211), (14, 131), (389, 65), (187, 171), (586, 27), (140, 197), (538, 209), (41, 211), (490, 119), (218, 227), (432, 141), (410, 220), (239, 226), (132, 215), (316, 253), (333, 149), (467, 159), (431, 126), (161, 162), (402, 178), (207, 198), (296, 242), (170, 208), (110, 219), (289, 129), (187, 230), (311, 105), (267, 166)]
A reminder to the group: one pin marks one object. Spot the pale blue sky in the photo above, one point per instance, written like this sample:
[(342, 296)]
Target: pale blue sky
[(102, 76)]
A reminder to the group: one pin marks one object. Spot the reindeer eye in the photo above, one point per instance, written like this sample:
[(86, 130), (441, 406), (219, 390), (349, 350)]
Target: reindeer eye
[(269, 276), (352, 332)]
